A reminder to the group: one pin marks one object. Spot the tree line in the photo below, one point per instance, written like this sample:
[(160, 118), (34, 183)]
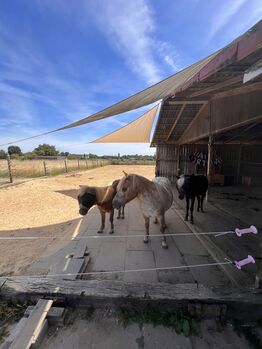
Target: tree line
[(44, 149)]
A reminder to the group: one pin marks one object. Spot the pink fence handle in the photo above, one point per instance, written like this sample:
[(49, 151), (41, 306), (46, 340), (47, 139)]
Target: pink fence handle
[(252, 229), (248, 260)]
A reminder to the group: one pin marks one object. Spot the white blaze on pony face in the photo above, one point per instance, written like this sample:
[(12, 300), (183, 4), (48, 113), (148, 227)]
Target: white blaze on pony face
[(125, 191), (180, 185)]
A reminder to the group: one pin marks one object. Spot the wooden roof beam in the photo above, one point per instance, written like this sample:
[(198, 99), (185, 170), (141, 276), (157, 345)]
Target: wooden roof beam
[(218, 86), (176, 121), (186, 102)]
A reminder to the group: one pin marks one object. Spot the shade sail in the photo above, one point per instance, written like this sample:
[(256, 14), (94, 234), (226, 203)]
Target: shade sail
[(137, 131), (152, 94), (177, 82)]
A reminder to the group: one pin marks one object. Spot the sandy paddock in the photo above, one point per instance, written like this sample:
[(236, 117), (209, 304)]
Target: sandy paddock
[(47, 207)]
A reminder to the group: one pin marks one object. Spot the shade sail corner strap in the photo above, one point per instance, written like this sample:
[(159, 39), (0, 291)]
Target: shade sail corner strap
[(137, 131)]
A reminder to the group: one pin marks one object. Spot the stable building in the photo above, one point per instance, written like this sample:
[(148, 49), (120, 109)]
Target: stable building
[(213, 123)]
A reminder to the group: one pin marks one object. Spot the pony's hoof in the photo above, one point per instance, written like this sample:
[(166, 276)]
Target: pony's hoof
[(123, 217), (111, 232), (186, 219), (192, 222), (118, 217), (100, 232), (155, 221), (164, 245), (145, 240)]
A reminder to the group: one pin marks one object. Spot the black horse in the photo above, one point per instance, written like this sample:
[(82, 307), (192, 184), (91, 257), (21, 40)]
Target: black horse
[(191, 187)]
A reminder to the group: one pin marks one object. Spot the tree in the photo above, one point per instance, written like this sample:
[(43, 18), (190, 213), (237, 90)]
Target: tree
[(46, 150), (14, 149), (2, 154)]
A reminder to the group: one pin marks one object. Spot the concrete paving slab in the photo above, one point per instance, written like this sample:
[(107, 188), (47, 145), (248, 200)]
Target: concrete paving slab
[(207, 276), (190, 245), (111, 257), (164, 338), (137, 244), (140, 260)]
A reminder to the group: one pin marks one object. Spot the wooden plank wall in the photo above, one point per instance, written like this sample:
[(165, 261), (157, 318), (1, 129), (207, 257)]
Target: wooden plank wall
[(250, 157), (166, 161)]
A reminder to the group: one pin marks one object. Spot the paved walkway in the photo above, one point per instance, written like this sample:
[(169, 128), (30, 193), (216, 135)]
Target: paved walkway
[(120, 252)]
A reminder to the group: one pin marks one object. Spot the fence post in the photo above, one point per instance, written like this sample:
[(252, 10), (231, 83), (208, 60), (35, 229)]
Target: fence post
[(66, 166), (9, 165), (86, 161), (45, 169), (78, 164)]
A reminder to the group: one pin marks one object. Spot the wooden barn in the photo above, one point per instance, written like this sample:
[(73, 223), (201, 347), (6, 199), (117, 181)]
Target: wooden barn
[(213, 123)]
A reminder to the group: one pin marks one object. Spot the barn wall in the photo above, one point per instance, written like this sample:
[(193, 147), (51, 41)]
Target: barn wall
[(226, 112), (242, 164), (166, 161)]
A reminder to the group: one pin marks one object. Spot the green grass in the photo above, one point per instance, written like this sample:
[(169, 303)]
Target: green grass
[(9, 313), (182, 322)]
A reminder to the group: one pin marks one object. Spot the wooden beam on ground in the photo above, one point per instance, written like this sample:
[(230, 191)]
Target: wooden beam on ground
[(218, 86), (30, 331), (176, 121)]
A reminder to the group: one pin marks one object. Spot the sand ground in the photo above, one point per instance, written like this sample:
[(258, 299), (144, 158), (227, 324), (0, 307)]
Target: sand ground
[(47, 207)]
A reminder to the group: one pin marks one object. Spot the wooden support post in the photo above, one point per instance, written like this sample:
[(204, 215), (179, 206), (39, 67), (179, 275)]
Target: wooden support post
[(209, 164), (45, 168), (239, 163), (78, 163), (258, 281), (9, 165), (86, 161), (66, 166), (178, 161)]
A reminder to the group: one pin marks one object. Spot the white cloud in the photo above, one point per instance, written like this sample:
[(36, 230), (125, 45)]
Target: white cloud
[(130, 27), (223, 16)]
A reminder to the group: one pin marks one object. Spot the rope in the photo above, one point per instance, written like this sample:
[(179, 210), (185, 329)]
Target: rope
[(116, 271), (107, 236)]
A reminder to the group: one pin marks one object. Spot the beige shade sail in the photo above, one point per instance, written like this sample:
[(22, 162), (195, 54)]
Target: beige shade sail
[(137, 131)]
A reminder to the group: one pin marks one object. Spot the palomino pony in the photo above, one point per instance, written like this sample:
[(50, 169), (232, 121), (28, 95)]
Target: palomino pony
[(155, 198), (102, 197), (192, 187)]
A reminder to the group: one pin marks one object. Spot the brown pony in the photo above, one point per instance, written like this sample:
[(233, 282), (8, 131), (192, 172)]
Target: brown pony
[(155, 198), (102, 197)]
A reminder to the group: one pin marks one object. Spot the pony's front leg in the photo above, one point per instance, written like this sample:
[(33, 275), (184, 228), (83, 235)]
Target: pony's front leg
[(162, 222), (146, 237), (187, 208), (103, 217), (123, 212), (118, 214), (112, 222), (192, 209)]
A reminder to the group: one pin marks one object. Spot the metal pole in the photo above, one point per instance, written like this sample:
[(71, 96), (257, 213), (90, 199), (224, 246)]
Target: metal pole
[(9, 165)]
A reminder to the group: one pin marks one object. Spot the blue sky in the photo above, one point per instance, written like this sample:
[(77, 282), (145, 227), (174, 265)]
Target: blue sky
[(63, 60)]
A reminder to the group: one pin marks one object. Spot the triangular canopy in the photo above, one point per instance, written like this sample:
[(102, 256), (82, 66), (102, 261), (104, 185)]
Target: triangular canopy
[(137, 131)]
